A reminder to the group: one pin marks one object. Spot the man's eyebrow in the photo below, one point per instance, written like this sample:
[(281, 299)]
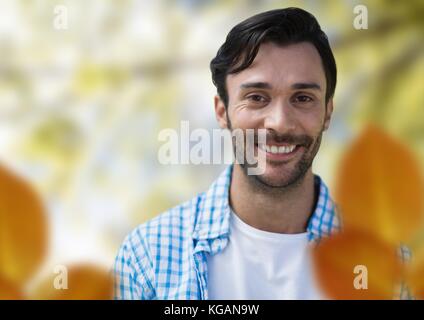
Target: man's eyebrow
[(266, 85), (256, 85), (308, 85)]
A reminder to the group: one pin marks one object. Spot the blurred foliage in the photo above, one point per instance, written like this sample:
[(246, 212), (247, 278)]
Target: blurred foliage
[(23, 247), (414, 275), (81, 108), (9, 291), (23, 229), (336, 258), (379, 187), (86, 282), (379, 193)]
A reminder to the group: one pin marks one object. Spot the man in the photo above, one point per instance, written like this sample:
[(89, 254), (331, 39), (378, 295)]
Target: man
[(248, 236)]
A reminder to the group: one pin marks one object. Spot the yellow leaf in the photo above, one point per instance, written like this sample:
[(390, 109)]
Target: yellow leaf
[(380, 187), (9, 291), (23, 229), (415, 273), (357, 265)]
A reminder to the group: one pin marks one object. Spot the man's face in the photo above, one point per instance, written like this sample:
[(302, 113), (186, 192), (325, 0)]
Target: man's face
[(282, 91)]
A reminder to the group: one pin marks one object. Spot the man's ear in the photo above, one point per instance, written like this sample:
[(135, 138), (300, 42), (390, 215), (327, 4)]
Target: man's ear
[(328, 113), (220, 112)]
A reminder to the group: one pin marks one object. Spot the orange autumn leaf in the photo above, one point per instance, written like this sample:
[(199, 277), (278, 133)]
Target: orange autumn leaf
[(23, 229), (83, 282), (380, 188), (415, 274), (340, 260), (9, 291)]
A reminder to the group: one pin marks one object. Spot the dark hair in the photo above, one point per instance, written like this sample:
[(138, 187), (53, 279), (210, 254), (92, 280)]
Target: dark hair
[(281, 26)]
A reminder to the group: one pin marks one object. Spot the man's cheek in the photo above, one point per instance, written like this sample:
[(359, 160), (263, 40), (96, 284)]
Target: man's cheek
[(247, 120)]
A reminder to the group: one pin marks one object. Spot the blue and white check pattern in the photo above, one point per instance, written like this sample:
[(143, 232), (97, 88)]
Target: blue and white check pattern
[(165, 258)]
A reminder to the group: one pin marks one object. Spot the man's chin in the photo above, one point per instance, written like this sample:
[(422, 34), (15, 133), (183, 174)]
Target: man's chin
[(278, 180)]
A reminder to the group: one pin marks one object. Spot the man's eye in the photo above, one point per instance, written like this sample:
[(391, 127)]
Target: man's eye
[(303, 99), (256, 98)]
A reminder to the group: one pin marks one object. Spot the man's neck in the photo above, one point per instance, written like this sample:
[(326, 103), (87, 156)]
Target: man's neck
[(284, 210)]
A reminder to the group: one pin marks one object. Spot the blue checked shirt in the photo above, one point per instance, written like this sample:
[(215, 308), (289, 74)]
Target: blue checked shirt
[(165, 258)]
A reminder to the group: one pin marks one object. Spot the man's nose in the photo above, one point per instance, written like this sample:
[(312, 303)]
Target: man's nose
[(280, 118)]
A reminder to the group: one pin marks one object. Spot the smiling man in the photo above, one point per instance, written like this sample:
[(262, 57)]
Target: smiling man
[(248, 236)]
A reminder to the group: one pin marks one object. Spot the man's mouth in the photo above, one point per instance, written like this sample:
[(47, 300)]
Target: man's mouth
[(275, 149), (279, 151)]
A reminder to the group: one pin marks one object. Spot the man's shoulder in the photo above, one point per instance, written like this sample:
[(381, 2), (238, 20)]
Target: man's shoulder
[(169, 228)]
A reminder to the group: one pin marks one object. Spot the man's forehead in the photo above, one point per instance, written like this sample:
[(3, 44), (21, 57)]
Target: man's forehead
[(284, 65)]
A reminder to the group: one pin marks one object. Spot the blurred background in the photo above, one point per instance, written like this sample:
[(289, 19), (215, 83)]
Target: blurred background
[(83, 98)]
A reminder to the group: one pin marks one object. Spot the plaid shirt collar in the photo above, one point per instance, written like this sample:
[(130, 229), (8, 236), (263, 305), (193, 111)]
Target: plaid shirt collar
[(213, 218)]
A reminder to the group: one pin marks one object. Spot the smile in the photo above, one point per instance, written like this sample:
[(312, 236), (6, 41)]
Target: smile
[(277, 149)]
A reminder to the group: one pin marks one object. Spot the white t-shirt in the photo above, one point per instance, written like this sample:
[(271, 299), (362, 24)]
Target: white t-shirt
[(258, 264)]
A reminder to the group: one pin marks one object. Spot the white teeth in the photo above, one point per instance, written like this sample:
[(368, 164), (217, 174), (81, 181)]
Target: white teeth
[(276, 149)]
